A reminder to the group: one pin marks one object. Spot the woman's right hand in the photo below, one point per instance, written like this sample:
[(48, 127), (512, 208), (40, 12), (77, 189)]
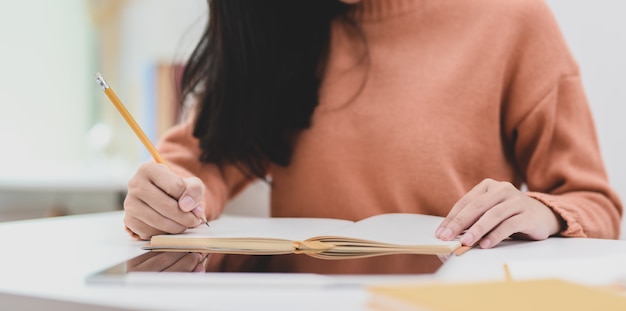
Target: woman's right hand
[(159, 201)]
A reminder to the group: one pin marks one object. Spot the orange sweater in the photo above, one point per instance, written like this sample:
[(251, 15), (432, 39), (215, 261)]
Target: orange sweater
[(455, 92)]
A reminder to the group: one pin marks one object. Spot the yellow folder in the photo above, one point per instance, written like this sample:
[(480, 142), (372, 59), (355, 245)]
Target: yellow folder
[(533, 295)]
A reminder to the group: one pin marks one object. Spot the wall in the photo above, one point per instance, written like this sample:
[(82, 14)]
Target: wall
[(45, 101), (59, 133), (44, 93)]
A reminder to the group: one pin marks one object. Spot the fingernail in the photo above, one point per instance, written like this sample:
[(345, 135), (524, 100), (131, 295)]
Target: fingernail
[(199, 212), (446, 234), (485, 243), (187, 203), (467, 238), (438, 232)]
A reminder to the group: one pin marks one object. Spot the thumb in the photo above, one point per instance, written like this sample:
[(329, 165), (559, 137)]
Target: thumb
[(193, 197)]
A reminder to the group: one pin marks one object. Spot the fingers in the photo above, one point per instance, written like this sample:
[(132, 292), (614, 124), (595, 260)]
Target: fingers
[(192, 197), (146, 222), (470, 208), (152, 204), (490, 227), (493, 211), (505, 229)]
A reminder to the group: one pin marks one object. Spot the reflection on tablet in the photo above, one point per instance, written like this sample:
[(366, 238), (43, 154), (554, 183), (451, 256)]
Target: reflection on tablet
[(221, 264)]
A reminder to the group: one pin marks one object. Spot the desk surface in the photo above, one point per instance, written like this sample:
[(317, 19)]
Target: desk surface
[(50, 259), (64, 183)]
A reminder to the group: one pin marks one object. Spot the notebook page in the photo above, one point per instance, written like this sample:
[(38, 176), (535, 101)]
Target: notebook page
[(396, 228), (295, 229)]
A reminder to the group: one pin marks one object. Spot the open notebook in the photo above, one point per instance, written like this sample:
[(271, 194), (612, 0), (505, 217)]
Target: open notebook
[(395, 233)]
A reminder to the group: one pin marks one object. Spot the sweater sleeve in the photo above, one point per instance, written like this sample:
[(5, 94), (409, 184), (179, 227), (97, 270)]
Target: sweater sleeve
[(550, 124), (181, 149), (565, 170)]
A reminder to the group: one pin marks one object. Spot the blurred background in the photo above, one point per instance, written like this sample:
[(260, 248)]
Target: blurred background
[(66, 150)]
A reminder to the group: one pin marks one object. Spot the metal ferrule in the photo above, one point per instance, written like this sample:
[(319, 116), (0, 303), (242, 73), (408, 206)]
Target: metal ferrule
[(103, 83)]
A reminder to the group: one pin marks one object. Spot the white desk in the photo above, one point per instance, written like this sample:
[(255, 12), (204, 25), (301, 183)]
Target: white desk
[(34, 195), (50, 259)]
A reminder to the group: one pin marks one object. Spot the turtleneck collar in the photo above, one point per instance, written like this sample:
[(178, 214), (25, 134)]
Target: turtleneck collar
[(378, 10)]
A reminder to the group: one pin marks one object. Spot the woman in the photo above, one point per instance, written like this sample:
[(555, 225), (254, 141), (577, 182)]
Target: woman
[(355, 108)]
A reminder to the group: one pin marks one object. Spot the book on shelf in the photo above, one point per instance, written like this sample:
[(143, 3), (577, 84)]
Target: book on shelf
[(394, 233), (163, 107), (168, 95)]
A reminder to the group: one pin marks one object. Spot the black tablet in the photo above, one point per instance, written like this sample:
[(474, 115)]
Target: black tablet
[(293, 269)]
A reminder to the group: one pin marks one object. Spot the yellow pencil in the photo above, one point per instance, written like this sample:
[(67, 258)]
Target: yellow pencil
[(133, 124), (507, 273)]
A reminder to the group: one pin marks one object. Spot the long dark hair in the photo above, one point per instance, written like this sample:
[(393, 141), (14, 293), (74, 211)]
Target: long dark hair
[(257, 72)]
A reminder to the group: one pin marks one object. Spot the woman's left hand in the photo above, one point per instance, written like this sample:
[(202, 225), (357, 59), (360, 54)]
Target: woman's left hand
[(493, 211)]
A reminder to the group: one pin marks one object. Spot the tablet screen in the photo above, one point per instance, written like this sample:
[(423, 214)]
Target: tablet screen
[(156, 264)]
